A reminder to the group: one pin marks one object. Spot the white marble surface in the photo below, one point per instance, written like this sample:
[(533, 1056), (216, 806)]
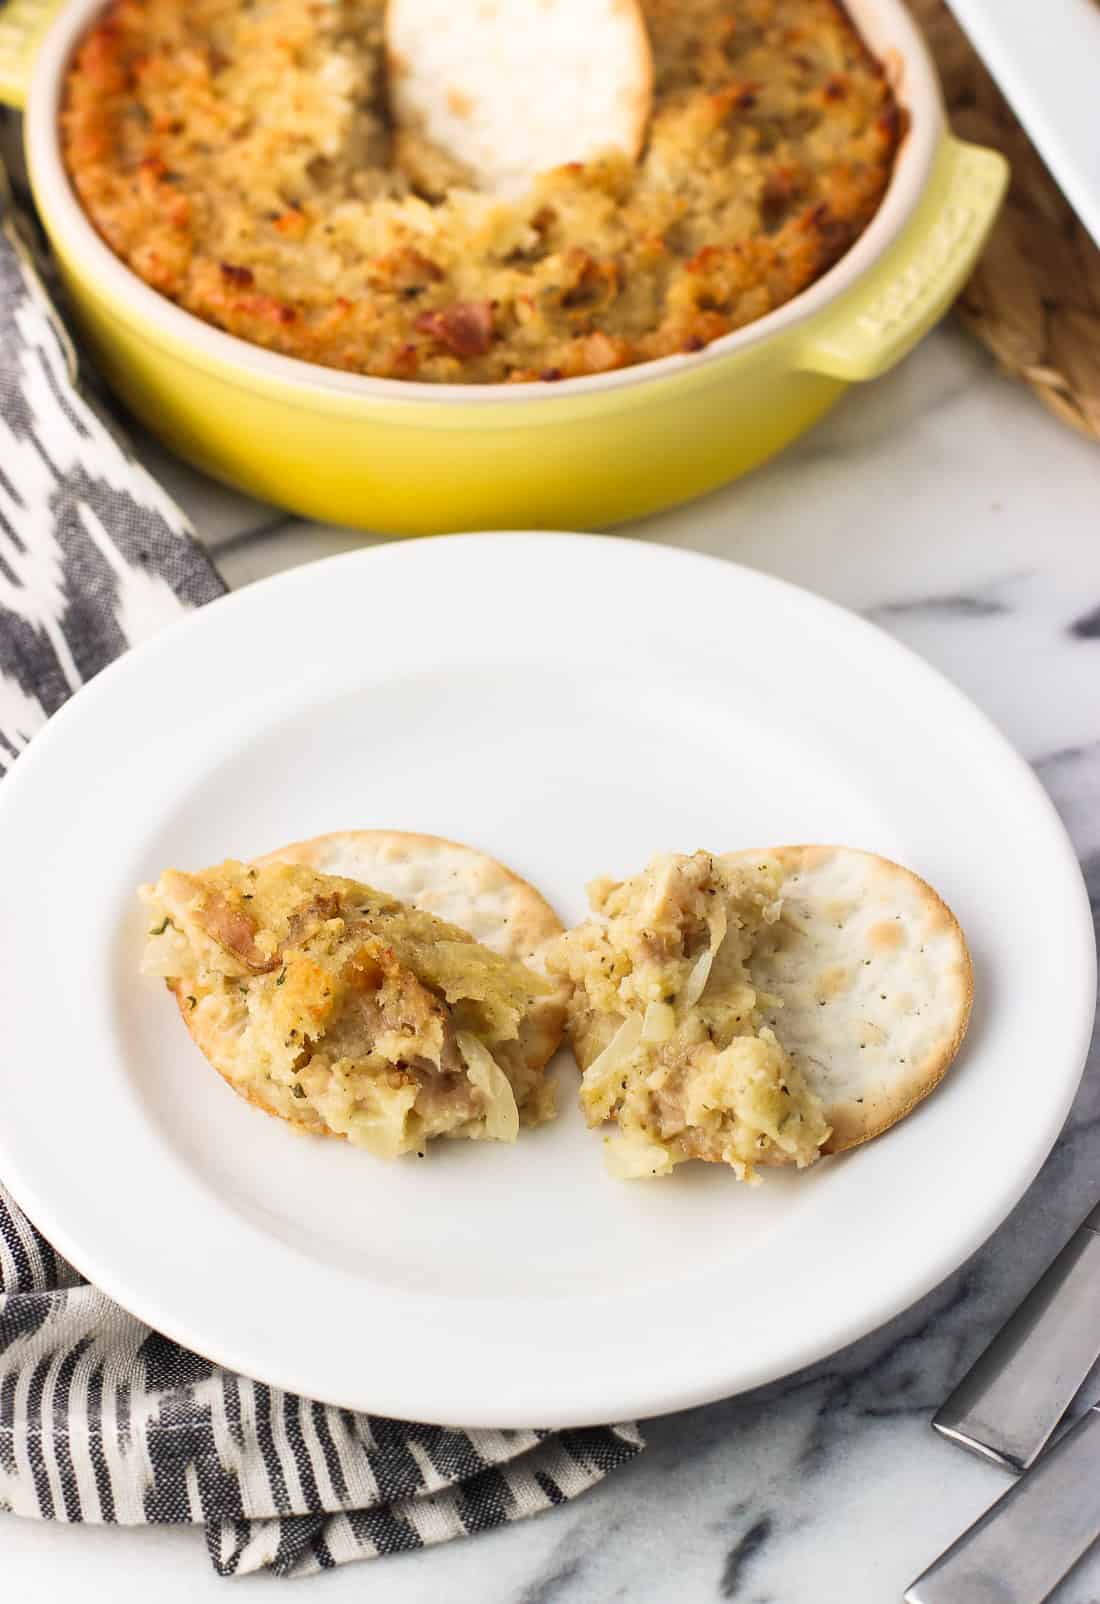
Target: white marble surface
[(945, 504)]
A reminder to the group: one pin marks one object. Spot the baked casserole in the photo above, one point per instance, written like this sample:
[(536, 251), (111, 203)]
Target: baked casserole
[(239, 156)]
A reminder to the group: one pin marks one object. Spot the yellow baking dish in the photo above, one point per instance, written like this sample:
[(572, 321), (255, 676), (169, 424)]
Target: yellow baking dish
[(412, 458)]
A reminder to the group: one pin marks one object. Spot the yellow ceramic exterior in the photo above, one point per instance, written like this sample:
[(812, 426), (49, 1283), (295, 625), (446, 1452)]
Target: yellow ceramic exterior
[(585, 455)]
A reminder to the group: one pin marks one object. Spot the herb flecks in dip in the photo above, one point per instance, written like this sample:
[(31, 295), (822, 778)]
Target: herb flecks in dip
[(239, 156)]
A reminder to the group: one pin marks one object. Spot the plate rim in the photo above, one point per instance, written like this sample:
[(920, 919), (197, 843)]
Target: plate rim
[(651, 1398)]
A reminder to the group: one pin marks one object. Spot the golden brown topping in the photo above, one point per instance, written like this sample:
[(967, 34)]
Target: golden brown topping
[(242, 160)]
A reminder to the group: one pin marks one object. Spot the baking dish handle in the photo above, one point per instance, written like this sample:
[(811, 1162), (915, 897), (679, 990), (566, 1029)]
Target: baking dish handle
[(23, 25), (911, 288)]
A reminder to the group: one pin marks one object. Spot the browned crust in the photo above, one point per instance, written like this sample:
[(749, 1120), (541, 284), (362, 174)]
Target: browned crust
[(132, 174), (540, 925), (544, 1026)]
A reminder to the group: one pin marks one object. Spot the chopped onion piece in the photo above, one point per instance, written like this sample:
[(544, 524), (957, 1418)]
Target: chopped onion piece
[(502, 1115), (379, 1123), (602, 1072), (700, 974), (659, 1022)]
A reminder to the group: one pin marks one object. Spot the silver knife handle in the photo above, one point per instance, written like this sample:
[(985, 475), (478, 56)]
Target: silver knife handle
[(1020, 1549), (1008, 1404)]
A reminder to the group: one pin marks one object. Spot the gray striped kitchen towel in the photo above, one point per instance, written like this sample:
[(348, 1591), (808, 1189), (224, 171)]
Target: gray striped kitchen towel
[(101, 1418)]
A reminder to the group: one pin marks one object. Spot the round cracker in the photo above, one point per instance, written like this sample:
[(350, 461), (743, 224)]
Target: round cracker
[(458, 884), (511, 88), (875, 981)]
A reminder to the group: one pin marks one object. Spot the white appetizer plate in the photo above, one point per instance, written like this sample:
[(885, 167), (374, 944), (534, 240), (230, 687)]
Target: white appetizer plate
[(571, 705)]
